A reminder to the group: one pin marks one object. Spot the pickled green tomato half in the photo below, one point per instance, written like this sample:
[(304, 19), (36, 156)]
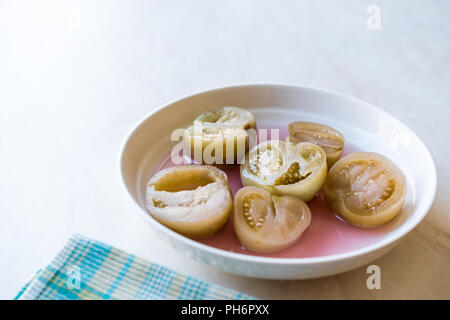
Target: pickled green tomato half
[(221, 130), (267, 223), (193, 200), (284, 168), (329, 139), (366, 189)]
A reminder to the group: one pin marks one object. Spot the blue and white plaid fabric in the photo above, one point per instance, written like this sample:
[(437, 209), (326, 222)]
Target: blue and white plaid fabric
[(88, 269)]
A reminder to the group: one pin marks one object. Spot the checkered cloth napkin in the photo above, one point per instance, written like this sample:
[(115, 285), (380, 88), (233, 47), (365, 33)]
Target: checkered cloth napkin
[(88, 269)]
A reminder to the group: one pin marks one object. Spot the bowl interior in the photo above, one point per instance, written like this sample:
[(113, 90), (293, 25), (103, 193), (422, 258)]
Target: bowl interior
[(366, 127)]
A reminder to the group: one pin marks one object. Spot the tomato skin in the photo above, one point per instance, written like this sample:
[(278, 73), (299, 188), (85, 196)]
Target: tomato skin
[(365, 189)]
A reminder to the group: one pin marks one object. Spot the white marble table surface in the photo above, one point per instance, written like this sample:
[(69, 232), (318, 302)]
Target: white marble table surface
[(75, 76)]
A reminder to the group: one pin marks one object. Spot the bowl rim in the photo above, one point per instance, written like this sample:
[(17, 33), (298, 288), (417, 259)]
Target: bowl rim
[(385, 242)]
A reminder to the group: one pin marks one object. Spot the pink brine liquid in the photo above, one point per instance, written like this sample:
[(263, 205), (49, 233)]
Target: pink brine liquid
[(326, 235)]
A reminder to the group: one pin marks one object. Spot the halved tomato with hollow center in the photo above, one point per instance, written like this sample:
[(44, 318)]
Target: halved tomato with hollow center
[(268, 223), (220, 136), (365, 189), (194, 200)]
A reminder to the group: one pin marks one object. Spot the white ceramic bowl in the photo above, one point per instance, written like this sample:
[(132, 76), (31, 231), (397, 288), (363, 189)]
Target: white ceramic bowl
[(364, 125)]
